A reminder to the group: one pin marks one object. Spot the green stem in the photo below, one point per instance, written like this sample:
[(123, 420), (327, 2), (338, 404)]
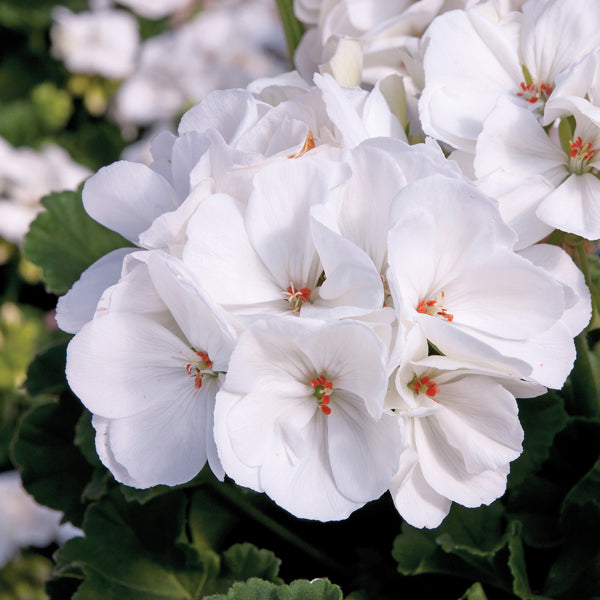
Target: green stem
[(586, 395), (584, 266), (291, 26), (586, 392), (235, 497)]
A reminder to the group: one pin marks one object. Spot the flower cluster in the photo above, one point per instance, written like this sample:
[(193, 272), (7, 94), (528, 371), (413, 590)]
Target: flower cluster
[(315, 308)]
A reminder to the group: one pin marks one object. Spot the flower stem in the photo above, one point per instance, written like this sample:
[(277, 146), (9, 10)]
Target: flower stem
[(235, 497), (582, 262), (291, 26), (586, 388)]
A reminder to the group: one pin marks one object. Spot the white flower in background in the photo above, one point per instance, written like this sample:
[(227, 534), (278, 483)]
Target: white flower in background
[(25, 523), (225, 46), (138, 372), (471, 61), (156, 9), (95, 43), (26, 175), (300, 416)]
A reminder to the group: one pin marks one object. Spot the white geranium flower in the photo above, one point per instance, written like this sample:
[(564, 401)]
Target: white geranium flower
[(462, 431), (103, 42), (26, 175), (471, 61), (467, 291), (270, 258), (573, 204), (23, 522), (300, 416), (151, 381)]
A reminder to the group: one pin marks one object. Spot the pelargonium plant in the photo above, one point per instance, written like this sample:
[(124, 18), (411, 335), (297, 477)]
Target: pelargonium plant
[(317, 294)]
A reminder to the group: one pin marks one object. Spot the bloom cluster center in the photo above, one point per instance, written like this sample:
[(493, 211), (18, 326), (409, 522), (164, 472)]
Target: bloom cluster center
[(323, 389), (435, 308), (198, 368)]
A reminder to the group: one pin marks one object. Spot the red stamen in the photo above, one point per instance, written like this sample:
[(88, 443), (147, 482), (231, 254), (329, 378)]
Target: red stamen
[(432, 387)]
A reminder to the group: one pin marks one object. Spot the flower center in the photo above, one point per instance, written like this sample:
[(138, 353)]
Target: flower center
[(323, 389), (580, 155), (297, 297), (435, 308), (200, 367), (534, 92), (309, 144), (424, 384)]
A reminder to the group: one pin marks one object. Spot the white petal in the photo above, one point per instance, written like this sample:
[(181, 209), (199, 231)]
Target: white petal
[(363, 452), (199, 319), (556, 261), (78, 305), (126, 197), (307, 489), (512, 139), (278, 217), (479, 419), (557, 33), (444, 469), (494, 296), (574, 206), (122, 364), (230, 112), (469, 63), (416, 501), (219, 250), (166, 443)]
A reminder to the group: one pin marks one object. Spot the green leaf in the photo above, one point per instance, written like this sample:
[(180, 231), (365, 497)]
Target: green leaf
[(64, 240), (541, 418), (211, 519), (587, 491), (467, 544), (575, 573), (243, 561), (142, 496), (256, 589), (136, 552), (516, 563), (475, 592), (566, 127), (53, 470), (292, 28), (46, 374)]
